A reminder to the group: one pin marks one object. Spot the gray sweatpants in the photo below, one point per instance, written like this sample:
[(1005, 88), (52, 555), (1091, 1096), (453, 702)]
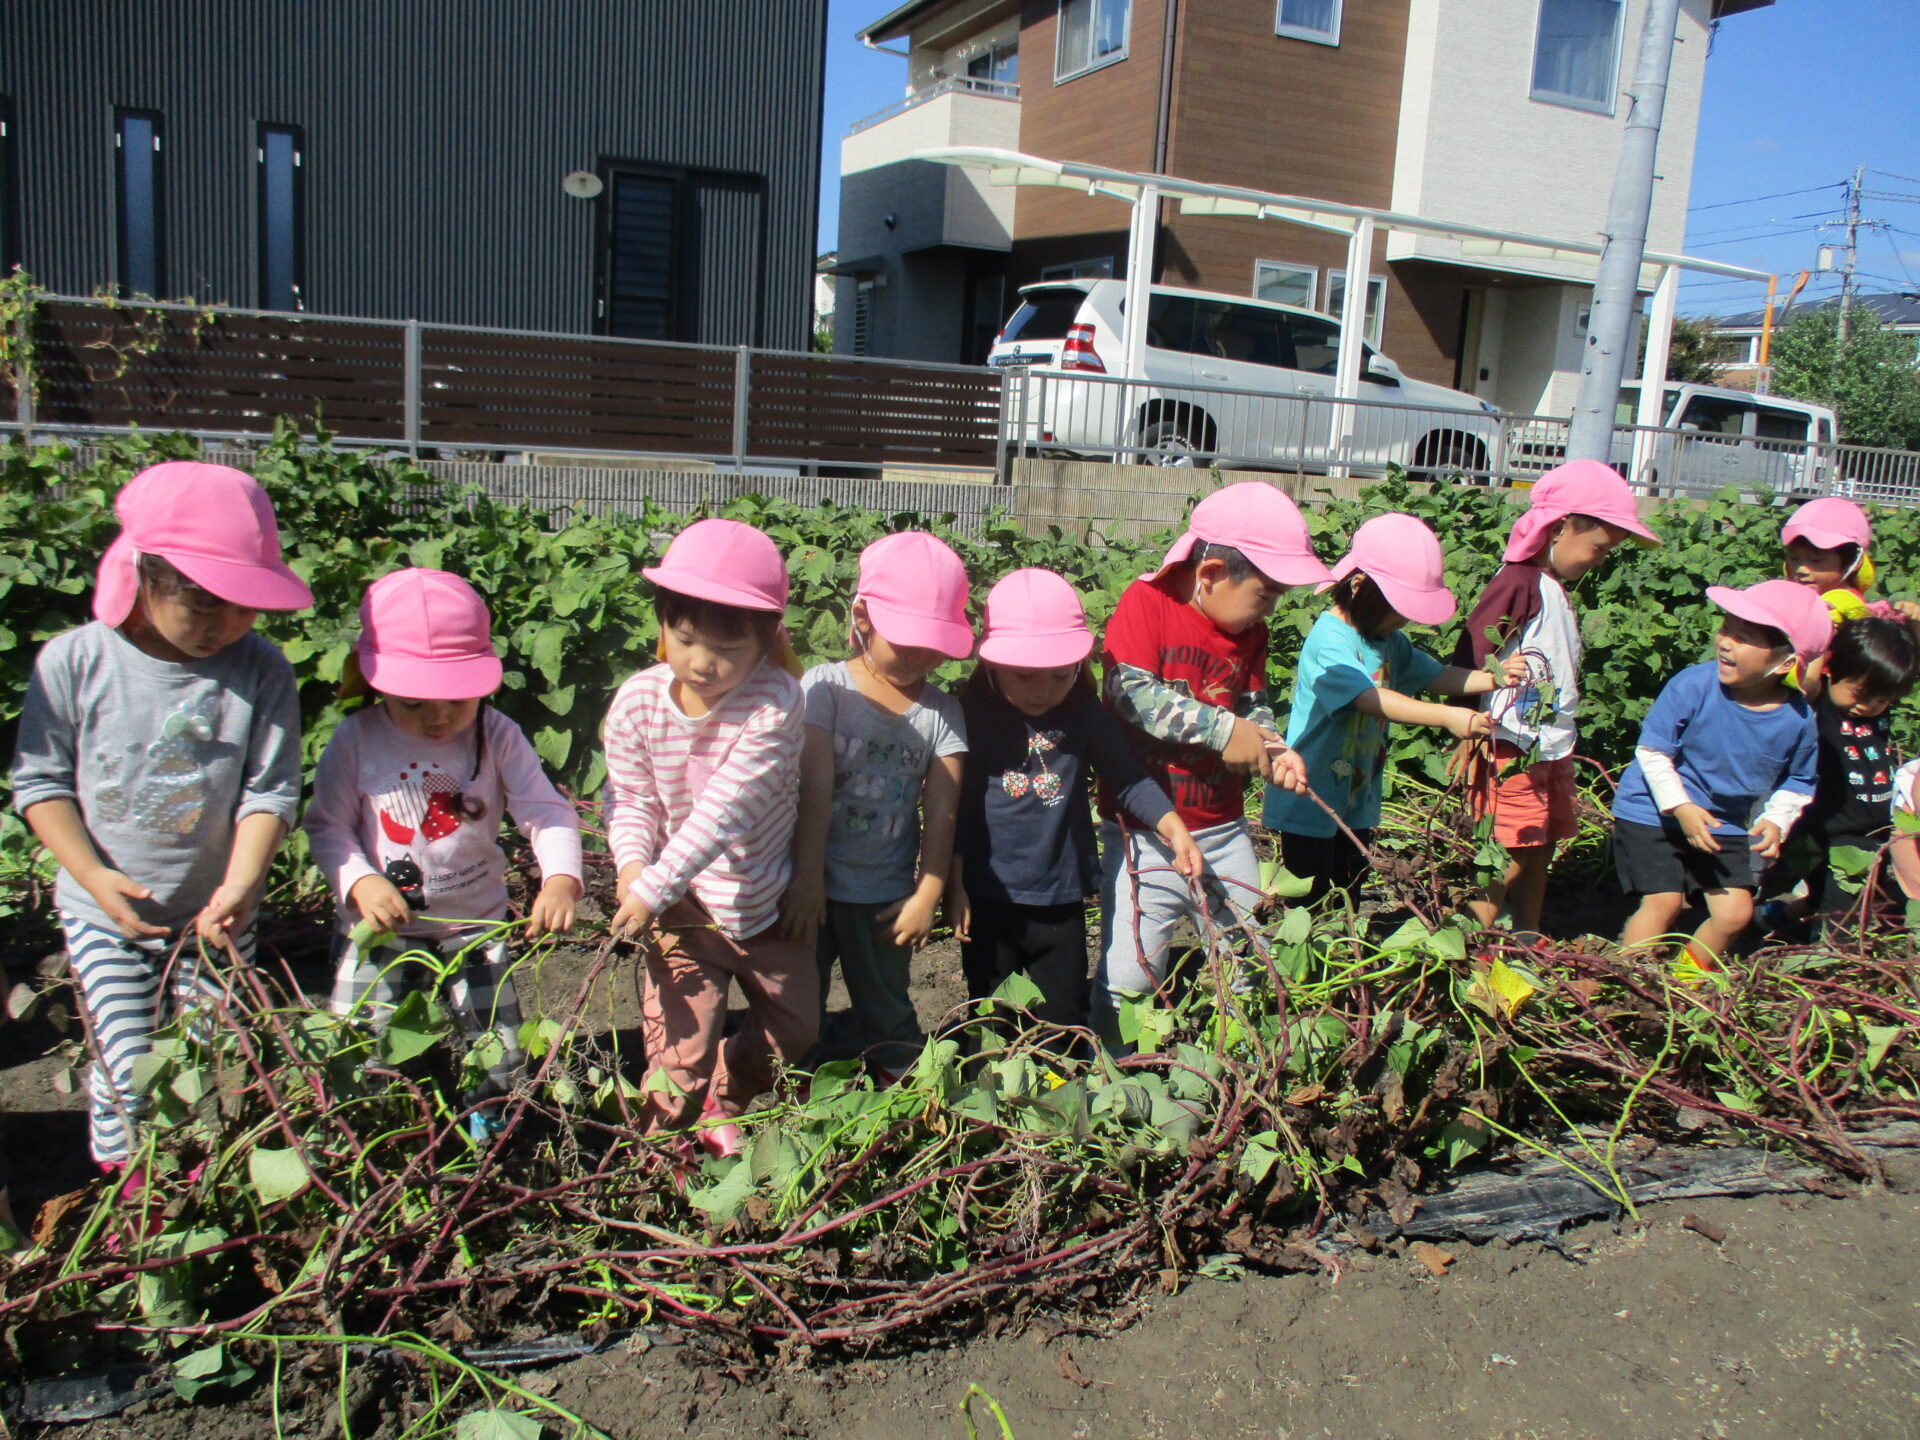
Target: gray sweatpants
[(1138, 912)]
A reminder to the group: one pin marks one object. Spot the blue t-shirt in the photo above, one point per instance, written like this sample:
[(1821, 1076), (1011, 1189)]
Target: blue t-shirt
[(1729, 757), (1344, 749)]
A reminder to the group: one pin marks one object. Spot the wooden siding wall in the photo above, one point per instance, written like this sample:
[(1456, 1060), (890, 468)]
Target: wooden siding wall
[(1251, 108)]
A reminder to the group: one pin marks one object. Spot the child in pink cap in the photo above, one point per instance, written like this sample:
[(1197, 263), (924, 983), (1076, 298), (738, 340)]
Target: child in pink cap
[(703, 770), (1826, 541), (1186, 676), (1026, 859), (1727, 760), (1577, 515), (405, 819), (1358, 671), (159, 760), (884, 747)]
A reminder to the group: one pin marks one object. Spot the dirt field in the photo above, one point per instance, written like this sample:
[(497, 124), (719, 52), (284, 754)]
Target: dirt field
[(1803, 1321)]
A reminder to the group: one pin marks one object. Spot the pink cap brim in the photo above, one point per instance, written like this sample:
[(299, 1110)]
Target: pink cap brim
[(1280, 569), (474, 678), (1422, 607), (1819, 536), (952, 638), (705, 587), (257, 587), (1038, 652)]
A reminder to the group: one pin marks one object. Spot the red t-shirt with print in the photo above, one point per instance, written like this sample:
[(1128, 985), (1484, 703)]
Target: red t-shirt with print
[(1152, 631)]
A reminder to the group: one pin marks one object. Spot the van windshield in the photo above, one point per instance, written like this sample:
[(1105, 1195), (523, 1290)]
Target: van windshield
[(1044, 315)]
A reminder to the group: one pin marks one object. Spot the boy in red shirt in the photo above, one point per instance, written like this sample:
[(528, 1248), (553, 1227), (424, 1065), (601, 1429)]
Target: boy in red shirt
[(1186, 675)]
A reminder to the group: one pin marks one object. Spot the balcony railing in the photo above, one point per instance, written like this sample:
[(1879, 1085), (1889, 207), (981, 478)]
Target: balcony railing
[(951, 85)]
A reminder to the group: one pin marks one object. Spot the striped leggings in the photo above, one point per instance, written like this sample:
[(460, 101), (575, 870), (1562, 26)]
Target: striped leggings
[(122, 996), (479, 992)]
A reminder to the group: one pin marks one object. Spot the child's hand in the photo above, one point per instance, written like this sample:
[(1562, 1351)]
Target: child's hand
[(227, 911), (803, 908), (110, 891), (552, 910), (1285, 768), (908, 921), (1907, 609), (1697, 825), (635, 917), (959, 913), (1246, 752), (379, 903), (1766, 840), (1465, 724), (1516, 669), (1187, 859)]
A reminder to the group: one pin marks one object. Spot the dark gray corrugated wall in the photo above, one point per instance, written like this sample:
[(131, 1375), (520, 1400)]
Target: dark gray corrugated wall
[(436, 136)]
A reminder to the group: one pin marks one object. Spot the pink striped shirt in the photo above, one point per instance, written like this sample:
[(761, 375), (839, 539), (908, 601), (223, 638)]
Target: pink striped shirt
[(706, 805)]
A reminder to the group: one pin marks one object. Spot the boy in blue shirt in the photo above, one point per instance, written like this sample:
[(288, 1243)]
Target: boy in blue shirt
[(1728, 758), (1357, 672)]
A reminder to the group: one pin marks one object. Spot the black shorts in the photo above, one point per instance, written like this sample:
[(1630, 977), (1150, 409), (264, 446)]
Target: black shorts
[(1653, 860)]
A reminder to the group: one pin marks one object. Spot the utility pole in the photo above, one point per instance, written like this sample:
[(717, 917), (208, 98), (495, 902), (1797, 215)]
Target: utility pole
[(1616, 286), (1853, 230)]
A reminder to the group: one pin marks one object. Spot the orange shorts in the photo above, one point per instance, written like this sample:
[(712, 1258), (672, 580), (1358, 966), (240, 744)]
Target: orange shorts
[(1534, 806)]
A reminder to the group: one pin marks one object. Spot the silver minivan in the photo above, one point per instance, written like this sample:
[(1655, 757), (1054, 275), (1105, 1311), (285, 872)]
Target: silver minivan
[(1711, 437), (1247, 381)]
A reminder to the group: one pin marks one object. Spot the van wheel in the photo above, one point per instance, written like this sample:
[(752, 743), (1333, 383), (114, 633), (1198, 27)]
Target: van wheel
[(1167, 442), (1446, 453)]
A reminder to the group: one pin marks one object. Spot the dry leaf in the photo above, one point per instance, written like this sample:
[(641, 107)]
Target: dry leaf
[(1071, 1371), (1307, 1094), (1704, 1228), (1432, 1256)]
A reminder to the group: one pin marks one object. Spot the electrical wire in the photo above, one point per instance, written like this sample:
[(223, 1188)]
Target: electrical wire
[(1755, 200)]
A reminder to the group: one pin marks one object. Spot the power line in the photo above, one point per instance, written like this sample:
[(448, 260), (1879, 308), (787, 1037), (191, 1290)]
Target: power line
[(1745, 239), (1755, 200), (1891, 176)]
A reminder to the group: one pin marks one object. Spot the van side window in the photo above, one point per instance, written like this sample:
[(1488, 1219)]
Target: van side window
[(1316, 344), (1240, 333), (1714, 416), (1781, 424), (1170, 322)]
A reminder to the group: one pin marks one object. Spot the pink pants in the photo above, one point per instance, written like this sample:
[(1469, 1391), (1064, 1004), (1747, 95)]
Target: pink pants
[(684, 1009)]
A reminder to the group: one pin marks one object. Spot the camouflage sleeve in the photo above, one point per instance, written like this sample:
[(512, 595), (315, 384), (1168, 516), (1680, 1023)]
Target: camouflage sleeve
[(1255, 706), (1147, 702)]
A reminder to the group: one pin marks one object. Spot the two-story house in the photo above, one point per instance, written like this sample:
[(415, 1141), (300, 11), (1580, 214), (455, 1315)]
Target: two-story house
[(1505, 114)]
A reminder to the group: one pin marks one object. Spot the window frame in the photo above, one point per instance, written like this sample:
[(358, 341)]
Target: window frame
[(995, 56), (298, 263), (1077, 269), (1301, 32), (1608, 107), (1311, 272), (1061, 76), (158, 188), (1377, 338)]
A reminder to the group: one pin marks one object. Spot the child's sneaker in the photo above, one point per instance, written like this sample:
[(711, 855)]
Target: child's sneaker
[(485, 1124), (717, 1135)]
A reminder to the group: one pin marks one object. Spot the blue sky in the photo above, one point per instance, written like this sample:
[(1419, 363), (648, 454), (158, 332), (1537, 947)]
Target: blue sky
[(1796, 96)]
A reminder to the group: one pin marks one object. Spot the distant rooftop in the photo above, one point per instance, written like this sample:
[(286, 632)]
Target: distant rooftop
[(1900, 309)]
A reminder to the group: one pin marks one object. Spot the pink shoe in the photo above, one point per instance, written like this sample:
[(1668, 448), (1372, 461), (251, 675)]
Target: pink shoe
[(722, 1138)]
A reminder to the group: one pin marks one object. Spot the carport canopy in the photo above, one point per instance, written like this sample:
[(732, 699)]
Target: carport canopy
[(1143, 191)]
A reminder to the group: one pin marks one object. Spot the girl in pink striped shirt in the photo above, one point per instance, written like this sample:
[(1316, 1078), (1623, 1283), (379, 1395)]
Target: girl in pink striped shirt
[(703, 774)]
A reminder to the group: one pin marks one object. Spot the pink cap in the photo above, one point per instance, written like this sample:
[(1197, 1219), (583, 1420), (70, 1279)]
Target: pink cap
[(1579, 487), (1034, 621), (1259, 521), (426, 635), (727, 562), (1794, 610), (1828, 524), (215, 526), (1401, 556), (915, 589)]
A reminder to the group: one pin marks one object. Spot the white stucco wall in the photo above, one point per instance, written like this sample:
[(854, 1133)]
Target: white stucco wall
[(1475, 147), (975, 212)]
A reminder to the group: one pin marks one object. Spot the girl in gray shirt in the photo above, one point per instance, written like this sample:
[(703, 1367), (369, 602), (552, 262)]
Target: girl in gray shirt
[(159, 760)]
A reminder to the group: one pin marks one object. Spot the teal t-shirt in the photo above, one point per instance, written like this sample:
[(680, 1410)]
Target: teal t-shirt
[(1344, 749)]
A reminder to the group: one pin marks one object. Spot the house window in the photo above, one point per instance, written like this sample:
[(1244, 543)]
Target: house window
[(1576, 53), (1316, 20), (9, 192), (1376, 302), (1285, 283), (278, 215), (139, 194), (1000, 65), (1091, 33), (1096, 269)]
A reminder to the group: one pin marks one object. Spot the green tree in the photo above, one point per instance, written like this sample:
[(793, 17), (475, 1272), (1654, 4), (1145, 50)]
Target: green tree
[(1871, 382), (1696, 352)]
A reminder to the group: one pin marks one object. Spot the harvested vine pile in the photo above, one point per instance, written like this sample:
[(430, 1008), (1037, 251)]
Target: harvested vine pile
[(312, 1185)]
